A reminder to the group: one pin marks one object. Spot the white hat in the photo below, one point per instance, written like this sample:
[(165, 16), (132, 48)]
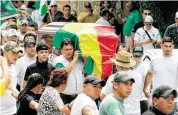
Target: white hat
[(148, 19), (176, 14), (12, 32), (53, 2)]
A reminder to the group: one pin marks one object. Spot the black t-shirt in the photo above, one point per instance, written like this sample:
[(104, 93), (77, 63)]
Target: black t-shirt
[(47, 20), (24, 108), (42, 68), (70, 19)]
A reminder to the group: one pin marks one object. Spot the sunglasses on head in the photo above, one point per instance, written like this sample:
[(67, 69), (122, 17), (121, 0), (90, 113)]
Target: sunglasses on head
[(24, 25), (147, 13), (54, 6)]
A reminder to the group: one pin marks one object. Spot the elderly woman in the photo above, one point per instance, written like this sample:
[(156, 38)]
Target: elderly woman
[(50, 102)]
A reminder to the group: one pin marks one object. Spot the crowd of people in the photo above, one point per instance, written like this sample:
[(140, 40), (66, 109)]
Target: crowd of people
[(37, 79)]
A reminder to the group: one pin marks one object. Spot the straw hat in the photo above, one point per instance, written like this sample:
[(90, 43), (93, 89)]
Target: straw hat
[(123, 59)]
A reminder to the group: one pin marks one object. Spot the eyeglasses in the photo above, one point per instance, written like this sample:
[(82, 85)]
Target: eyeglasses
[(147, 13), (54, 6)]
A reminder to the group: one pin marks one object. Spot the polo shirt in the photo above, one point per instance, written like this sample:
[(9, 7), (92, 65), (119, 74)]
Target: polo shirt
[(76, 77)]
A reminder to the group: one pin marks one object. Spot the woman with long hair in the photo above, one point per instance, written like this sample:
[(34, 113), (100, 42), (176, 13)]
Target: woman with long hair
[(27, 100), (50, 102)]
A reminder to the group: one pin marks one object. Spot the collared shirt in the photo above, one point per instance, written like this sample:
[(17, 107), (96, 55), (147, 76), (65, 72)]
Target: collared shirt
[(76, 77)]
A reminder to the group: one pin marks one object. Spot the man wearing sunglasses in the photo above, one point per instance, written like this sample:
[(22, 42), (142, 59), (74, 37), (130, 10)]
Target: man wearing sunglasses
[(147, 36), (146, 11), (172, 31), (55, 14)]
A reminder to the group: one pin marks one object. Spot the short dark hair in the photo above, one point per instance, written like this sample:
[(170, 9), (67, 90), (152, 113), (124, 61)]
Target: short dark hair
[(120, 44), (67, 6), (145, 8), (135, 6), (33, 25), (167, 39), (105, 12), (67, 41)]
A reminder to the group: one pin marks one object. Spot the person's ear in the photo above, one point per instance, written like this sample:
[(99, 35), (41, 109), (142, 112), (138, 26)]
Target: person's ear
[(155, 101)]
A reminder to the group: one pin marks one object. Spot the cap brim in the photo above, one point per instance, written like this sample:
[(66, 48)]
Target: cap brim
[(168, 92), (137, 54), (99, 82), (17, 50), (126, 65)]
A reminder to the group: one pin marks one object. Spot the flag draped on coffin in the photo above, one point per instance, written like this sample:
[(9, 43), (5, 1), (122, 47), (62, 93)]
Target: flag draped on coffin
[(97, 42)]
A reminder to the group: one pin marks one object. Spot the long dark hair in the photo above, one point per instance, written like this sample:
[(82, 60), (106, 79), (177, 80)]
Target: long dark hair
[(33, 80), (57, 77)]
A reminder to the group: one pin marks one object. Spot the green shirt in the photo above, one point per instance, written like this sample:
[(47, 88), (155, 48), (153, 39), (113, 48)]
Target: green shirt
[(132, 19), (112, 105)]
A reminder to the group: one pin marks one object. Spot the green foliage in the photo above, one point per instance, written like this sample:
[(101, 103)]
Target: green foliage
[(163, 12)]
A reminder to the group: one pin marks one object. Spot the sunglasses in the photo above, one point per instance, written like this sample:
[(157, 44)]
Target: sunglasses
[(147, 13), (54, 6)]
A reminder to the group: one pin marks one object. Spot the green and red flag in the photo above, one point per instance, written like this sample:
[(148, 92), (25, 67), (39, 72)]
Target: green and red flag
[(97, 42)]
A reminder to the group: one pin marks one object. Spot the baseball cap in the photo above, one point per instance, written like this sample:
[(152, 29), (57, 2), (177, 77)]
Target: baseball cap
[(176, 14), (123, 77), (138, 51), (164, 91), (41, 46), (23, 22), (94, 80), (53, 2), (12, 32), (12, 46), (87, 5), (29, 40), (148, 19)]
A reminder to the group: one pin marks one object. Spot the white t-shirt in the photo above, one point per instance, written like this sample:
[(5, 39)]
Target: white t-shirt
[(80, 102), (21, 66), (102, 21), (142, 68), (7, 101), (132, 102), (76, 77), (141, 35), (165, 71)]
